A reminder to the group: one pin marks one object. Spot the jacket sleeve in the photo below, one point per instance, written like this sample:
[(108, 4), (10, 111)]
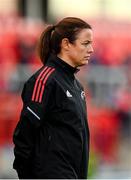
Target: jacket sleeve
[(32, 115)]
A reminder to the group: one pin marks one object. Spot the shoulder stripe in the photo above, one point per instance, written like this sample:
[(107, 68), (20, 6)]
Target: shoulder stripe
[(40, 83), (36, 83), (43, 85)]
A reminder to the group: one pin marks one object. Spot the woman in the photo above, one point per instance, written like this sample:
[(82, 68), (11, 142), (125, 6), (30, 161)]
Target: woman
[(52, 138)]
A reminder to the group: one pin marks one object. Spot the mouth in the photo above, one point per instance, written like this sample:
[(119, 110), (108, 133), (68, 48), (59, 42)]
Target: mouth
[(87, 57)]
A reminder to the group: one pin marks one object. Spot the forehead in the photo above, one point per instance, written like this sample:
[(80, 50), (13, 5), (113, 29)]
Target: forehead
[(85, 34)]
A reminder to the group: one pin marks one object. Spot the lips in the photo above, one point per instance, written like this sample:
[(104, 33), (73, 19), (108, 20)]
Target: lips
[(87, 57)]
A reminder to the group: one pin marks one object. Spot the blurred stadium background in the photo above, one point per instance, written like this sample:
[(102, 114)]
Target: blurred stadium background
[(107, 78)]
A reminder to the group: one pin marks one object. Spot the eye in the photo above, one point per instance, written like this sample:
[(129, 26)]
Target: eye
[(86, 43)]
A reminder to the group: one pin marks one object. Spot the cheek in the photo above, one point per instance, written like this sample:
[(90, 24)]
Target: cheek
[(82, 49), (73, 54), (82, 52), (78, 52)]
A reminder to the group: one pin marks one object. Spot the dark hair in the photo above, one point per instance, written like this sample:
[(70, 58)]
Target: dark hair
[(50, 39)]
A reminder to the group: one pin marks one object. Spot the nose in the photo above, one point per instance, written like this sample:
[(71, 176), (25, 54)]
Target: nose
[(90, 50)]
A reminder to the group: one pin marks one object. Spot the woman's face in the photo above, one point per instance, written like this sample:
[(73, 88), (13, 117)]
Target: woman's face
[(80, 51)]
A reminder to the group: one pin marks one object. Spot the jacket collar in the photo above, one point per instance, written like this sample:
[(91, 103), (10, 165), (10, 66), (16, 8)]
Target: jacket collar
[(56, 60)]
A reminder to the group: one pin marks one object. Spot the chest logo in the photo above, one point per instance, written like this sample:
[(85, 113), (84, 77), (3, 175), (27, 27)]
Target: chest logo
[(83, 95), (68, 94)]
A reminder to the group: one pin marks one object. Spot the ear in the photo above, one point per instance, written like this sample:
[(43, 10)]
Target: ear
[(65, 44)]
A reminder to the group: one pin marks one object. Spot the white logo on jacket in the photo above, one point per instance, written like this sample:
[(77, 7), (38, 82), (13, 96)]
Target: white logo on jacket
[(68, 94), (83, 95)]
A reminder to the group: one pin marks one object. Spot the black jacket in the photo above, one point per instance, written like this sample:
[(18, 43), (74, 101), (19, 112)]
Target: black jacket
[(52, 137)]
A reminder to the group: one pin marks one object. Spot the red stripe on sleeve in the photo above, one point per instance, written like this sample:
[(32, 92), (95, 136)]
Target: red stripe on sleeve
[(36, 83), (43, 86), (40, 83)]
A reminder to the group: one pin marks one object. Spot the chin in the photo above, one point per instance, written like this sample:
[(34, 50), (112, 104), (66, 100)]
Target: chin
[(84, 63)]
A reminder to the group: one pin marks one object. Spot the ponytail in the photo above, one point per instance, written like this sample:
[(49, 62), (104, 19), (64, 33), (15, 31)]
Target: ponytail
[(44, 45)]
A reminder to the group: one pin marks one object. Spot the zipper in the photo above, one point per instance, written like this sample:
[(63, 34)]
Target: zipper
[(80, 104)]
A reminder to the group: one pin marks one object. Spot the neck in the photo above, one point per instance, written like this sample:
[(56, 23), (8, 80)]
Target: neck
[(66, 59)]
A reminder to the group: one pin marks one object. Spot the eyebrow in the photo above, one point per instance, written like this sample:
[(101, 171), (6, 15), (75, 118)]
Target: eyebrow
[(87, 41)]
